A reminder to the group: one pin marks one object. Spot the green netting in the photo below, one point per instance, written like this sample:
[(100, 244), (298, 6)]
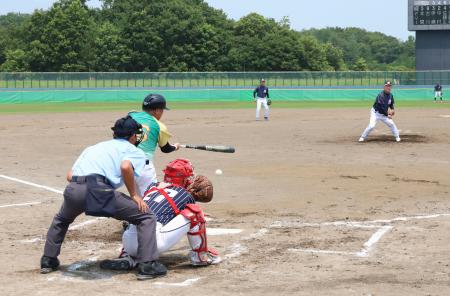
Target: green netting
[(204, 95)]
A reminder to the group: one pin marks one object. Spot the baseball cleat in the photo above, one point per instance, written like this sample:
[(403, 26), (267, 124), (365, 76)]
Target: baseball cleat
[(213, 258), (49, 264), (266, 118), (398, 139), (116, 264), (151, 270), (361, 139)]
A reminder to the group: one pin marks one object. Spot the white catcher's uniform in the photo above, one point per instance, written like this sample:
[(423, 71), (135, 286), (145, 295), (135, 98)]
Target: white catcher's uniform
[(177, 216)]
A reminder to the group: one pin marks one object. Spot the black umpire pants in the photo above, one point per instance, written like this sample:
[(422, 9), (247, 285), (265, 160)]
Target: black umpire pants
[(125, 209)]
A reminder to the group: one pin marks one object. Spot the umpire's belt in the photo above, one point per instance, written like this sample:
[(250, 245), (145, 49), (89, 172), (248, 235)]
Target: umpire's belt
[(83, 179)]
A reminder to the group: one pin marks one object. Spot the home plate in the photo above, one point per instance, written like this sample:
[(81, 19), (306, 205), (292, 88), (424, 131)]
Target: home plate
[(222, 231)]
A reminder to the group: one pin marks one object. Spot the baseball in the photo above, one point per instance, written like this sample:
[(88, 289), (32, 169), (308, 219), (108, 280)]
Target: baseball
[(218, 172)]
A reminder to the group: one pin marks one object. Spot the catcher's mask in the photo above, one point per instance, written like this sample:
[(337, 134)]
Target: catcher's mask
[(201, 189), (179, 172)]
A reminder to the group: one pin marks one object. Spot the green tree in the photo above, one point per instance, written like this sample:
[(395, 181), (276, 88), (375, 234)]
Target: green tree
[(61, 39), (360, 65), (16, 61)]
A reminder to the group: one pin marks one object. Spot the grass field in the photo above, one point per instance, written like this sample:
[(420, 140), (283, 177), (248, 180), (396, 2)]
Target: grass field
[(90, 107)]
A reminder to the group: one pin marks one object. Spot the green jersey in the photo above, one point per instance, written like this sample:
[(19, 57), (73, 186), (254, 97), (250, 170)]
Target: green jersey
[(155, 133)]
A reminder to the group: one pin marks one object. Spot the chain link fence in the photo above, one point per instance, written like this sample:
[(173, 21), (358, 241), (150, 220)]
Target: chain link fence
[(202, 80)]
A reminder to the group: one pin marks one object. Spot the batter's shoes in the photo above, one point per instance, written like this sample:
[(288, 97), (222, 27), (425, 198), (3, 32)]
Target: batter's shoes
[(150, 270), (49, 264), (116, 264), (398, 139), (266, 118), (361, 140)]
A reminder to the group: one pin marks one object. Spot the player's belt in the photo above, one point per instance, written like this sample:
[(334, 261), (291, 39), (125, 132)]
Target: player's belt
[(83, 179)]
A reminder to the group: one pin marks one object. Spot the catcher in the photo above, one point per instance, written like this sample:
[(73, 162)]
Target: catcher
[(383, 109), (174, 204)]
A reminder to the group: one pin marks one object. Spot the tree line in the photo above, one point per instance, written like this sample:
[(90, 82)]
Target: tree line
[(184, 35)]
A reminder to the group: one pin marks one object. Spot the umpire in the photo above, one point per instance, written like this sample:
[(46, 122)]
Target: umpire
[(98, 171)]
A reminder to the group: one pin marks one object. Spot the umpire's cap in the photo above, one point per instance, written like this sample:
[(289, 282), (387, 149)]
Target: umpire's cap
[(125, 127), (153, 102)]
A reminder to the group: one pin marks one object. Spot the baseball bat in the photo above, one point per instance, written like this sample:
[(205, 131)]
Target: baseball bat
[(213, 148)]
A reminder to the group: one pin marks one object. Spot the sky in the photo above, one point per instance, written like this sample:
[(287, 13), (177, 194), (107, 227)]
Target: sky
[(386, 16)]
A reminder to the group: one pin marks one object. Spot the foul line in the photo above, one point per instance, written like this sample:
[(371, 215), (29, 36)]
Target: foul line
[(32, 184), (21, 204)]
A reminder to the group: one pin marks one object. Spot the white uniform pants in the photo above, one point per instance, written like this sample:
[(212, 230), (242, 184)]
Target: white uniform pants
[(438, 94), (148, 176), (167, 236), (259, 102), (374, 117)]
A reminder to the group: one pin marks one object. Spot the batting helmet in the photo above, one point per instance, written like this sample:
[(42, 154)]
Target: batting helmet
[(154, 102)]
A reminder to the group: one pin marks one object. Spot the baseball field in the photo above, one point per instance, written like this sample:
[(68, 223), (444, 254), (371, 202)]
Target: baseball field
[(301, 208)]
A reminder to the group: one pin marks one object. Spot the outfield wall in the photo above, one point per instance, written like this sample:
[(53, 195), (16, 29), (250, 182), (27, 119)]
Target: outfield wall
[(202, 95)]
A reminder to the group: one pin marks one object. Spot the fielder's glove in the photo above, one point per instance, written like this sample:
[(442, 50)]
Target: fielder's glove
[(269, 102)]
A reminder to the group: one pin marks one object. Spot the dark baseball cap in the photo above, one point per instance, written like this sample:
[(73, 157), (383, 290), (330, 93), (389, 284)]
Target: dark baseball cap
[(154, 101), (388, 83), (126, 127)]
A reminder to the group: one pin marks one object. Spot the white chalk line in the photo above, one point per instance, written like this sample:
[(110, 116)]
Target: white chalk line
[(32, 184), (444, 116), (186, 283), (21, 204), (222, 231), (369, 245)]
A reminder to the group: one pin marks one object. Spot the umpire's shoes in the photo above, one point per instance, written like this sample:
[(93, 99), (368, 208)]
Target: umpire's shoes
[(116, 264), (151, 270), (49, 264)]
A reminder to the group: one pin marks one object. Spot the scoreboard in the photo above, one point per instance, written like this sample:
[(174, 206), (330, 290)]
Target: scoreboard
[(428, 15)]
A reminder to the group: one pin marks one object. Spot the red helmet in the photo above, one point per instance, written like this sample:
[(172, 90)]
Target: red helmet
[(179, 172)]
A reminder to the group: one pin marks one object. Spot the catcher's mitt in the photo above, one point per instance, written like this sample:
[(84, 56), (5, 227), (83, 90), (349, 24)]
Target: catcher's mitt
[(269, 102), (201, 189)]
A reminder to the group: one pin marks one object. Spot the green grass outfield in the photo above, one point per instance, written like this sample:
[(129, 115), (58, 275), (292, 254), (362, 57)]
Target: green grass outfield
[(95, 107)]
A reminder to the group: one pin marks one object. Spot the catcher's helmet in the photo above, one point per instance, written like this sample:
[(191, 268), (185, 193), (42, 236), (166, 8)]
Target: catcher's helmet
[(179, 172), (153, 102)]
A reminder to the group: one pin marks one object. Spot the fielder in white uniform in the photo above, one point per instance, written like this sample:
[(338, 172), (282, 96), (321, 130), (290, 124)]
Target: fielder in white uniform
[(437, 92), (383, 110), (261, 97), (177, 214)]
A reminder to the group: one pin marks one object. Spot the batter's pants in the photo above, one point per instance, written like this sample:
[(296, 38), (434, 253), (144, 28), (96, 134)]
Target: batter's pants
[(125, 209), (147, 177), (374, 117)]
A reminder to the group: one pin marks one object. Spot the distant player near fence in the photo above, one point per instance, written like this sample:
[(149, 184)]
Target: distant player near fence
[(438, 92), (261, 97)]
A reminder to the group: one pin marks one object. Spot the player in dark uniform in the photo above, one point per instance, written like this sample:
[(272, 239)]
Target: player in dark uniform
[(383, 109), (438, 92), (261, 97), (174, 205)]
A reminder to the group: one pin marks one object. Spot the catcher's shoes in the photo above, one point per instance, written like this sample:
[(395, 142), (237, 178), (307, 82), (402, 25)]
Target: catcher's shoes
[(151, 270), (117, 264), (211, 258), (361, 140), (49, 264)]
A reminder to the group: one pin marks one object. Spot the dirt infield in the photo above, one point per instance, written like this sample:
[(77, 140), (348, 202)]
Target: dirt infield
[(320, 213)]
